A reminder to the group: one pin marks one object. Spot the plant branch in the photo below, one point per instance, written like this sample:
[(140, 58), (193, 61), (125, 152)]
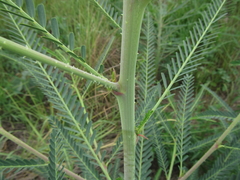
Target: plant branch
[(214, 147), (35, 152), (25, 51)]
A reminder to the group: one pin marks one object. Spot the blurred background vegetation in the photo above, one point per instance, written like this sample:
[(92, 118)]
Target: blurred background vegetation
[(24, 110)]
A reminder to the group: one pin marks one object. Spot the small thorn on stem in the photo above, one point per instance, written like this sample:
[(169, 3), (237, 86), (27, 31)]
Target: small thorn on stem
[(142, 136), (116, 93)]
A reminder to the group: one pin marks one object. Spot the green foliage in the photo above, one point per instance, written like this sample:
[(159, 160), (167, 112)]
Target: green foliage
[(16, 165), (159, 149), (56, 155), (109, 11), (8, 163), (183, 120), (224, 166), (175, 19), (165, 115), (189, 55), (144, 156)]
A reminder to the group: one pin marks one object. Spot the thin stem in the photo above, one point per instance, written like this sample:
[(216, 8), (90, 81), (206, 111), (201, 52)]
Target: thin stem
[(25, 51), (173, 160), (35, 152), (214, 147)]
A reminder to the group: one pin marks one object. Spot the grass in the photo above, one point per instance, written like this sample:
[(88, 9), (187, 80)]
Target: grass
[(23, 107), (26, 110), (88, 24)]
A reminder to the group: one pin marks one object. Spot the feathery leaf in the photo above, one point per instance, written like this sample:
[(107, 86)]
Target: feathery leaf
[(108, 11), (183, 120), (224, 164), (144, 156), (55, 156), (21, 163), (159, 148), (147, 70), (190, 53)]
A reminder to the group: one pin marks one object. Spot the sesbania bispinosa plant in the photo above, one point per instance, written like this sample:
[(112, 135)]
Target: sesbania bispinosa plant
[(143, 123)]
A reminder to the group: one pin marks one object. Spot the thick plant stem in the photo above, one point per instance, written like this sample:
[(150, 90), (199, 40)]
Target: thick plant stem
[(132, 19), (214, 147)]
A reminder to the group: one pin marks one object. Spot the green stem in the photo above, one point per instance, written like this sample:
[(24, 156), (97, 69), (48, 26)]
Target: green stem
[(214, 147), (35, 152), (173, 160), (25, 51), (133, 11)]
